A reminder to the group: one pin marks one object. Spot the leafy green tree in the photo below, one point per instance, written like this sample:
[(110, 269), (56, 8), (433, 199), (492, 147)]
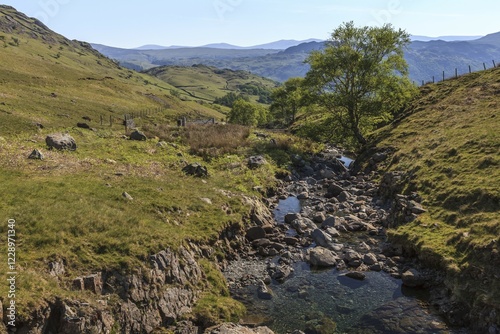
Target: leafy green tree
[(361, 77), (247, 113), (229, 99), (287, 100)]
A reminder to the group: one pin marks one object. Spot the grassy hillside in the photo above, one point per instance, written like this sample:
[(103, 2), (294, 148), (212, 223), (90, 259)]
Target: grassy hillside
[(70, 205), (206, 83), (449, 145)]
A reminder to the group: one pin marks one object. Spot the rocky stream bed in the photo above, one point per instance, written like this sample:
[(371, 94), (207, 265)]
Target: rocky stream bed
[(322, 264)]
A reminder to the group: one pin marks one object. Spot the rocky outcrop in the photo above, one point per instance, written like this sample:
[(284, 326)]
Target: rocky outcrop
[(147, 299)]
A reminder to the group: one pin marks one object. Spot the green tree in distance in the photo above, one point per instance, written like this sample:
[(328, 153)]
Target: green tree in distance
[(287, 100), (361, 77), (247, 113)]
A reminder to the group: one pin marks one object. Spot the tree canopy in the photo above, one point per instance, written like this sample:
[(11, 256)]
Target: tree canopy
[(361, 77), (287, 100), (247, 113)]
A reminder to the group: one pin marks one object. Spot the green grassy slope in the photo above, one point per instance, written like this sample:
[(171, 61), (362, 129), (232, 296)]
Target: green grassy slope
[(449, 142), (69, 206), (207, 83), (50, 80)]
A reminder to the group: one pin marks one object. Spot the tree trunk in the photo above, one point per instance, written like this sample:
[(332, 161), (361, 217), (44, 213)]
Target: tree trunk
[(359, 136)]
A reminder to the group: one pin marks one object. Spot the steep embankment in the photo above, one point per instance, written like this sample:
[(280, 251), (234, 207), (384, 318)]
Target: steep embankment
[(446, 150), (107, 237)]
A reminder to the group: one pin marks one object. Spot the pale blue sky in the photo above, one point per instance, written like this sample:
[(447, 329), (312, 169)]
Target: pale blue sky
[(129, 23)]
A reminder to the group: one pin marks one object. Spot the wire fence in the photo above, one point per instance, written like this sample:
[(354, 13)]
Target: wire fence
[(458, 72)]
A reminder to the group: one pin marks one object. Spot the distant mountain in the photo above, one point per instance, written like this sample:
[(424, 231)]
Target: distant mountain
[(278, 45), (493, 39), (151, 47), (443, 38), (284, 44), (426, 59)]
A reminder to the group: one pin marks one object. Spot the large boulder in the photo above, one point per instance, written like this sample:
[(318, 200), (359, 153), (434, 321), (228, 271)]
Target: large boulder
[(61, 141), (138, 135), (322, 257)]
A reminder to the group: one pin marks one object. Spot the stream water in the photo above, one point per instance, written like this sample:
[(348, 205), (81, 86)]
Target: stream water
[(327, 301)]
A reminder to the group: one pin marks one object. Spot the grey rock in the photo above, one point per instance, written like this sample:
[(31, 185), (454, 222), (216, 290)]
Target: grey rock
[(351, 256), (370, 259), (126, 195), (230, 328), (413, 278), (333, 232), (416, 208), (379, 157), (93, 283), (290, 217), (83, 125), (319, 217), (344, 196), (61, 141), (138, 135), (304, 195), (334, 190), (322, 257), (263, 292), (321, 238), (36, 155), (291, 241), (256, 161), (256, 232), (195, 169), (330, 221), (56, 268), (303, 225), (357, 275)]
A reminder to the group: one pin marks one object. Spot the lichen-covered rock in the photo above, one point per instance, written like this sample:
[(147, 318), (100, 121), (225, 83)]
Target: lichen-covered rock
[(61, 141), (322, 257), (36, 155), (256, 161), (237, 329)]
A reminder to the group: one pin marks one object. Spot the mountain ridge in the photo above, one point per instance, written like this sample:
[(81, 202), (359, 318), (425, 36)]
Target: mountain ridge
[(427, 59)]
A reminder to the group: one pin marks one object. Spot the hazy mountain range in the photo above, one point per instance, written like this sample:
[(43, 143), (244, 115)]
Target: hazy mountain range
[(427, 57), (278, 45)]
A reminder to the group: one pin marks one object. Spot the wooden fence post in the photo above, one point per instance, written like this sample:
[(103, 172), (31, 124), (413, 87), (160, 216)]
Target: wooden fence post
[(422, 82), (456, 73), (484, 65), (443, 75), (100, 116), (494, 64), (433, 81), (470, 69)]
